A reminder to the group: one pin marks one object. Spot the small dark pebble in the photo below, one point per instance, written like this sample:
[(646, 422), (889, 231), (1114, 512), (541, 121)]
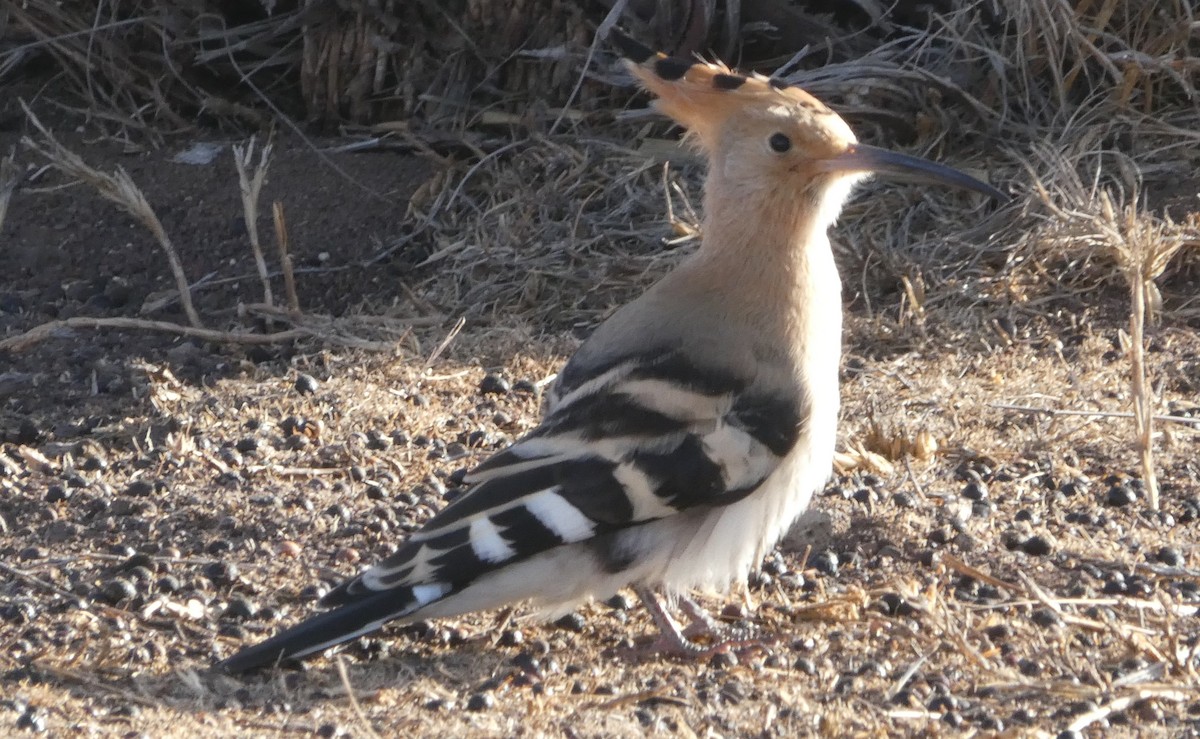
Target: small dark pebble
[(528, 387), (991, 723), (247, 444), (1138, 586), (1038, 546), (28, 432), (219, 546), (233, 631), (377, 441), (92, 463), (774, 566), (941, 535), (903, 500), (528, 663), (975, 490), (512, 638), (168, 584), (139, 488), (1114, 584), (1074, 486), (329, 730), (33, 552), (572, 622), (493, 384), (620, 602), (825, 562), (1069, 734), (266, 500), (19, 612), (141, 574), (1045, 618), (434, 485), (1121, 494), (953, 718), (337, 510), (221, 573), (1169, 556), (240, 608), (723, 660), (306, 384), (805, 665), (118, 590), (1023, 716), (56, 493), (481, 702), (1025, 514), (1029, 667), (944, 702), (32, 719), (455, 451), (998, 632), (735, 691), (894, 604)]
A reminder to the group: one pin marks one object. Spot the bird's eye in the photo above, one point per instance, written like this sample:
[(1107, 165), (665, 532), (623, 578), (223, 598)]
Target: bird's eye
[(779, 142)]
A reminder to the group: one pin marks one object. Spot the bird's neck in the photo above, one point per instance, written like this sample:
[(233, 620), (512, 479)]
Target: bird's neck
[(775, 250)]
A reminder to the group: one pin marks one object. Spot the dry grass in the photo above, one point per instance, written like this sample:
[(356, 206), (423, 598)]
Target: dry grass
[(981, 353)]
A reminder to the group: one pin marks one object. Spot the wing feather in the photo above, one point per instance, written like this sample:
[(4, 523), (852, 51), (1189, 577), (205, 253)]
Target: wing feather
[(642, 438)]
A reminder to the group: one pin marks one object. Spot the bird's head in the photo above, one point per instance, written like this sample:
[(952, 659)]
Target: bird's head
[(764, 137)]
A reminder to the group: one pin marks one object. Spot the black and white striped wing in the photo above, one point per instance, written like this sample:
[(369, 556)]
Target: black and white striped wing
[(640, 439)]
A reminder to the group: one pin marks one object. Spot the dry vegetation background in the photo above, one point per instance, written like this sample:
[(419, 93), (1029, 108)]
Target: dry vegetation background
[(231, 370)]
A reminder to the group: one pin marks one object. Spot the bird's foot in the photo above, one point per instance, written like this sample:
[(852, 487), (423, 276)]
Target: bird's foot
[(704, 638)]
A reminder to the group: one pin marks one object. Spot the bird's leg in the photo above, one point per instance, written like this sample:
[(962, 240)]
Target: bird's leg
[(704, 625), (674, 642), (671, 640)]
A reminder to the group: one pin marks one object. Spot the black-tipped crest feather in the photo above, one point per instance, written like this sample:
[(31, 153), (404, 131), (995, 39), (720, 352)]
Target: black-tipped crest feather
[(632, 50)]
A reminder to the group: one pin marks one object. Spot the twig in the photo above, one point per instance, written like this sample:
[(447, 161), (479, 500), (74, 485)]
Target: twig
[(1041, 596), (10, 179), (358, 711), (602, 31), (118, 188), (437, 352), (1099, 713), (285, 257), (46, 330), (963, 568), (37, 581), (251, 188), (1090, 414), (908, 675)]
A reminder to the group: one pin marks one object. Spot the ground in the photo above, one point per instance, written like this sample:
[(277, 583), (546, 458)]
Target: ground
[(975, 566)]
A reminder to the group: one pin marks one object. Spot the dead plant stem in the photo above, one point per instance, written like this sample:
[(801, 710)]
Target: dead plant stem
[(251, 188), (285, 257), (1143, 395)]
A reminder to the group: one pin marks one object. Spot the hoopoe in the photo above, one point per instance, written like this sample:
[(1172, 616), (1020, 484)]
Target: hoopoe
[(685, 436)]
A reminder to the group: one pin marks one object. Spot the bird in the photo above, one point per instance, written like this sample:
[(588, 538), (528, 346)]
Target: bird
[(687, 433)]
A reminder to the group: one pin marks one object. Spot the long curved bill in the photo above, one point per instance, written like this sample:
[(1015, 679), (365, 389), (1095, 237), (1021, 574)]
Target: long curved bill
[(864, 158)]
